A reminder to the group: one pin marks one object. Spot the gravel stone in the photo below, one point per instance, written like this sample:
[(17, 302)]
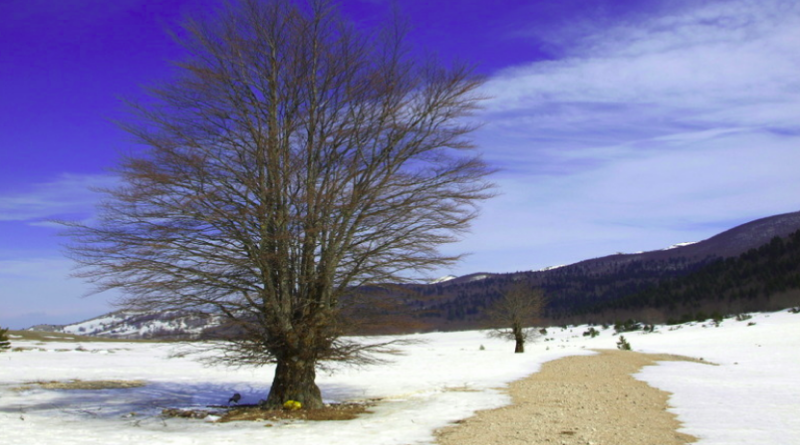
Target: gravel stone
[(578, 400)]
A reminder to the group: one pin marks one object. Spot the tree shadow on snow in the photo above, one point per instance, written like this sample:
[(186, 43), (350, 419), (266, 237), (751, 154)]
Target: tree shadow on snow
[(141, 402)]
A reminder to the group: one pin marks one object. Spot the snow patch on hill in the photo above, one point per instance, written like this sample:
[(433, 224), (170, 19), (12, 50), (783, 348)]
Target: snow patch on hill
[(675, 246), (141, 324), (443, 279)]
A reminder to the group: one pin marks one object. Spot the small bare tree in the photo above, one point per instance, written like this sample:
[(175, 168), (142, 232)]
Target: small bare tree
[(514, 313), (294, 160)]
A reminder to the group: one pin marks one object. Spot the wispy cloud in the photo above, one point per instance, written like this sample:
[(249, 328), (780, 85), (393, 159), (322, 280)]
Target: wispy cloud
[(38, 289), (69, 194), (667, 128), (714, 65)]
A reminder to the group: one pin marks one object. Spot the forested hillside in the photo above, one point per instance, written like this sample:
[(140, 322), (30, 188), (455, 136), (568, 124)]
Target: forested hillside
[(759, 279), (569, 290), (749, 267), (752, 267)]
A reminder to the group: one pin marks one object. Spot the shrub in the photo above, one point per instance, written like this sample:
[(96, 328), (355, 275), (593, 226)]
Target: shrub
[(627, 326), (623, 344), (5, 343), (591, 332)]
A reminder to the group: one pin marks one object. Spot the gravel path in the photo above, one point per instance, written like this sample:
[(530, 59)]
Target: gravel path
[(578, 400)]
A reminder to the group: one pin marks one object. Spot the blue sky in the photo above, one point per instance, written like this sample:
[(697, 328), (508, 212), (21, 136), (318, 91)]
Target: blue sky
[(617, 126)]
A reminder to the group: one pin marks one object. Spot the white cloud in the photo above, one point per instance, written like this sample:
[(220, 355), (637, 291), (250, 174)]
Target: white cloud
[(37, 268), (38, 289), (68, 194), (35, 283), (667, 129), (694, 62)]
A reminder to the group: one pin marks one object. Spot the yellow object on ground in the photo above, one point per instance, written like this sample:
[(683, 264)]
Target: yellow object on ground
[(292, 405)]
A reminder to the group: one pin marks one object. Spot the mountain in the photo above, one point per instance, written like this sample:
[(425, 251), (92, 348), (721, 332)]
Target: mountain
[(760, 279), (575, 290), (610, 287), (128, 324)]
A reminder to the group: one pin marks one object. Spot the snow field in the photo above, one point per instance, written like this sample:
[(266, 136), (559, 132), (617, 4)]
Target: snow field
[(751, 397)]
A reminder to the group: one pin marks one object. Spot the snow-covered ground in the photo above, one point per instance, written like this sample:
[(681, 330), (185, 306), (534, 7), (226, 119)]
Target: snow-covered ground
[(751, 397)]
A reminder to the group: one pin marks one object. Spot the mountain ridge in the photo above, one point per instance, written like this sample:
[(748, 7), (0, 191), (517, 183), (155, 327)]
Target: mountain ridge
[(458, 302)]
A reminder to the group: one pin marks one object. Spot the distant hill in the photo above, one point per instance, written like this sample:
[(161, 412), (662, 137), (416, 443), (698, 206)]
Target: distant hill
[(576, 290), (762, 278), (611, 287), (126, 324)]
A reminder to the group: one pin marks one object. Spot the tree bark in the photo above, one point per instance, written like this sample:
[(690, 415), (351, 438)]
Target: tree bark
[(295, 380), (519, 337)]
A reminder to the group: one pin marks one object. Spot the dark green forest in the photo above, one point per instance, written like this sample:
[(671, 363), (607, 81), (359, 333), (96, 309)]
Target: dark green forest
[(760, 279), (622, 286)]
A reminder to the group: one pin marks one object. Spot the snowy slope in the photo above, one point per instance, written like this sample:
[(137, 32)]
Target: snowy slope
[(139, 324), (751, 397)]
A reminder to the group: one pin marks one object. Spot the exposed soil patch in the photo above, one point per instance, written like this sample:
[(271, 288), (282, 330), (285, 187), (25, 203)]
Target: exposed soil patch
[(579, 400), (335, 411), (338, 411), (81, 384)]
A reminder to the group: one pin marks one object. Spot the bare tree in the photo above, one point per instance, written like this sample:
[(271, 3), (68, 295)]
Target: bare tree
[(513, 314), (294, 160)]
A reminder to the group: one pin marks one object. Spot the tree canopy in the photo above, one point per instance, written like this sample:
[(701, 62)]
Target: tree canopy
[(513, 314)]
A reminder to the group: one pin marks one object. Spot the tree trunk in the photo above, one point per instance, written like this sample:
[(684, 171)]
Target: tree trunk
[(294, 380), (520, 339)]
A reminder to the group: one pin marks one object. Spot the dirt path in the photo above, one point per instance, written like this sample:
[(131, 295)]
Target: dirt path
[(578, 400)]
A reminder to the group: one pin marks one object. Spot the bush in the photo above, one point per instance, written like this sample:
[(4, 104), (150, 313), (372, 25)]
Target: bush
[(627, 326), (591, 332), (5, 343), (623, 344)]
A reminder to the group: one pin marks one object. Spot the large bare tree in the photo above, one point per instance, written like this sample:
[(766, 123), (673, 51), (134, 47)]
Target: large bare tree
[(294, 159), (512, 316)]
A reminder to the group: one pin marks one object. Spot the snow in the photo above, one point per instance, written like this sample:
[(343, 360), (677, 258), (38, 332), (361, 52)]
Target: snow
[(443, 279), (132, 324), (675, 246), (750, 397), (103, 325)]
